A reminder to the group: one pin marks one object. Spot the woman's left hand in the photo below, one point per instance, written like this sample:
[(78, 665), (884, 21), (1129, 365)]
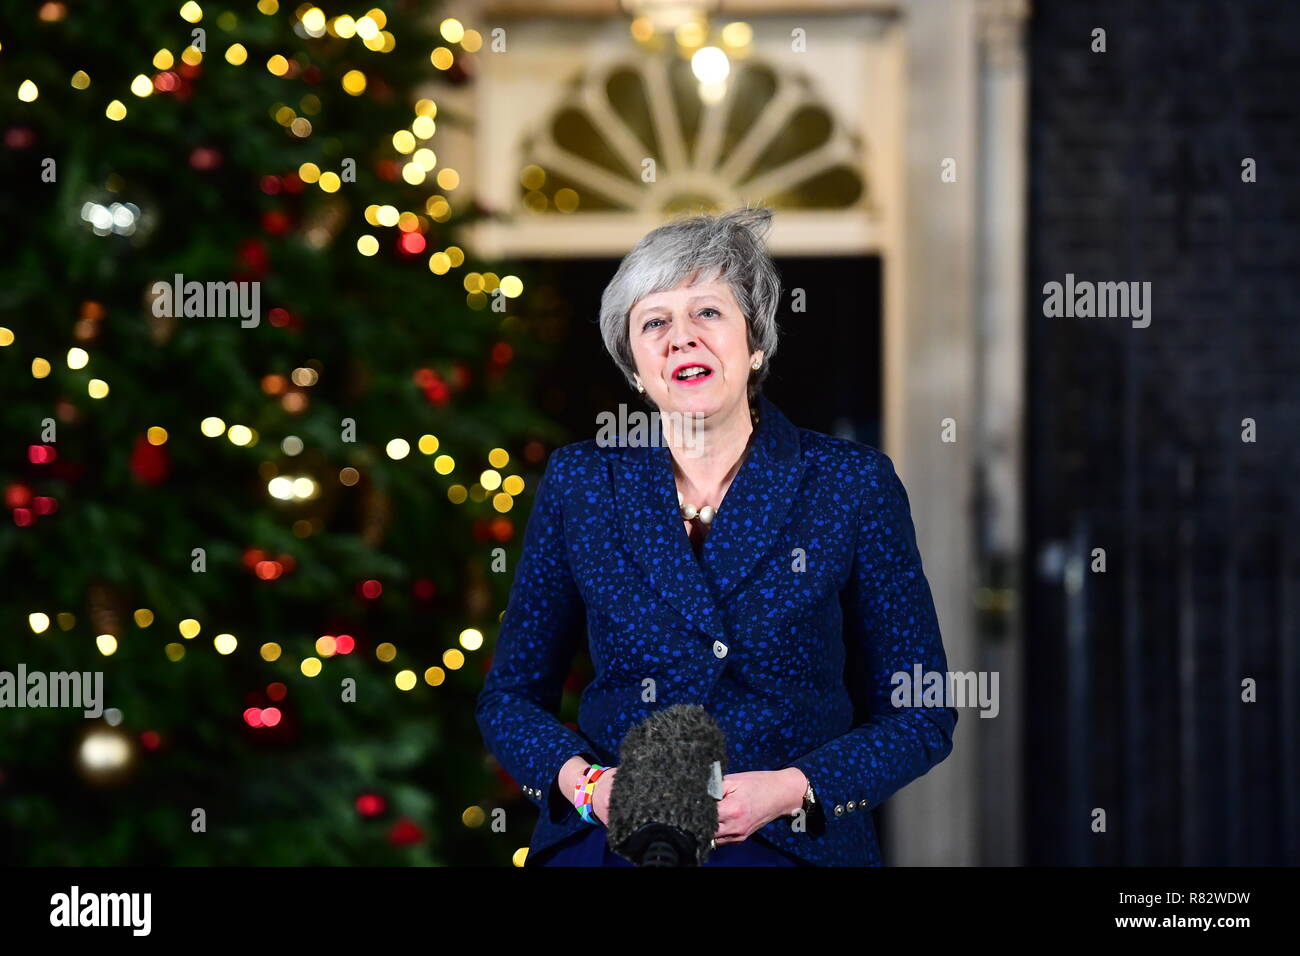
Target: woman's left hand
[(754, 799)]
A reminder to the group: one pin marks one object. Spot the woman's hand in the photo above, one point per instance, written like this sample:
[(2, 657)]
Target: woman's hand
[(600, 799), (752, 800)]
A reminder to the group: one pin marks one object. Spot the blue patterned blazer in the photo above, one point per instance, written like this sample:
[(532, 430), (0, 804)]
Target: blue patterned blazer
[(806, 597)]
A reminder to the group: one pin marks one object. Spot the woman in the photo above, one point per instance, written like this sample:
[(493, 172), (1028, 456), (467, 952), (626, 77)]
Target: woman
[(766, 572)]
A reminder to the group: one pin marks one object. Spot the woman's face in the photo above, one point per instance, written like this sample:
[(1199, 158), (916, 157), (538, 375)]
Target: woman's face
[(685, 329)]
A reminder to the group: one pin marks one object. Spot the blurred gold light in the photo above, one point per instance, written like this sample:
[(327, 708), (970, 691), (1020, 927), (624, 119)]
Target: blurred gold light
[(157, 435), (345, 26), (27, 91), (498, 458), (225, 643), (520, 855), (115, 111), (107, 644), (268, 7), (313, 21), (212, 427), (502, 502), (425, 159), (189, 628), (439, 263), (457, 494), (388, 215), (309, 172), (471, 638), (354, 82), (385, 652), (532, 177), (38, 622), (472, 41), (413, 174), (398, 449), (97, 388), (448, 179), (367, 28), (236, 55), (490, 480), (442, 58), (300, 127), (191, 56), (512, 287), (433, 676), (737, 34), (404, 680), (367, 245), (473, 817), (330, 182), (270, 651), (77, 358), (310, 666), (428, 444), (163, 60), (453, 659), (191, 11), (174, 651), (452, 30), (326, 645), (80, 80), (277, 65), (423, 127), (141, 86), (240, 434), (513, 485), (444, 464), (426, 107), (642, 29), (566, 200), (403, 141), (6, 336)]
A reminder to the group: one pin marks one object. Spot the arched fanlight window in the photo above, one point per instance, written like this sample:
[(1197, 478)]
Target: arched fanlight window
[(643, 136)]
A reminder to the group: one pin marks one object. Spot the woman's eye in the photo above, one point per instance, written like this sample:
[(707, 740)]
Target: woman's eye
[(650, 323), (710, 309)]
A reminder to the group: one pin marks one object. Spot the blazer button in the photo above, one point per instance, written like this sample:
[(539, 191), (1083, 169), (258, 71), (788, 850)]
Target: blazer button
[(850, 806), (839, 809), (719, 650)]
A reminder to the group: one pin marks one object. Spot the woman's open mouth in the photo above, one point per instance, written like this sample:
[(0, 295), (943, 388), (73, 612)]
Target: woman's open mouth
[(692, 374)]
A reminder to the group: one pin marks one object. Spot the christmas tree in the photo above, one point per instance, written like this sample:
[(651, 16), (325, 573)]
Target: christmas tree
[(265, 432)]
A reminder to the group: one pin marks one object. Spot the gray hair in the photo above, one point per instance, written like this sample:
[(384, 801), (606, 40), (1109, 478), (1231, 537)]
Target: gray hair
[(727, 247)]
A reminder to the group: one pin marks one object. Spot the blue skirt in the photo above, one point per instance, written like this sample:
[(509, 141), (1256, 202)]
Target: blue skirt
[(588, 847)]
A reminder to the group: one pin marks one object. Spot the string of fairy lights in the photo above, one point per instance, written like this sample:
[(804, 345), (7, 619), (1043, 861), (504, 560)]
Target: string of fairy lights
[(419, 162)]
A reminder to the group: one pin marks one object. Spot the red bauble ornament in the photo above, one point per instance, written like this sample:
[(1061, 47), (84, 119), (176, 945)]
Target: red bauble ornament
[(405, 833), (370, 804), (275, 223), (149, 463), (205, 158), (252, 257)]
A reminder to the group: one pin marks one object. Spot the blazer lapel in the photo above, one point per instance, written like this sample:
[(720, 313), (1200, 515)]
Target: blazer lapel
[(746, 527), (646, 499), (757, 503)]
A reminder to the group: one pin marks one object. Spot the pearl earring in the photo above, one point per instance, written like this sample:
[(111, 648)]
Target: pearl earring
[(756, 364)]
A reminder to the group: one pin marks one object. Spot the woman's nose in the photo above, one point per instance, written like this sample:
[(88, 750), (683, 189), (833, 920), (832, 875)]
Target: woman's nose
[(683, 336)]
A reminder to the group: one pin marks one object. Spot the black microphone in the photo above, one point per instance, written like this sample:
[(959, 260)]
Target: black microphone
[(663, 805)]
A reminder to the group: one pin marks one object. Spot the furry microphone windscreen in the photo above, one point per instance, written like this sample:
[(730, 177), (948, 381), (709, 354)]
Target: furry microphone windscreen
[(666, 762)]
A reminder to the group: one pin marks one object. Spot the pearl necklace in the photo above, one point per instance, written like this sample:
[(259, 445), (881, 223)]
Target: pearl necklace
[(707, 513), (690, 512)]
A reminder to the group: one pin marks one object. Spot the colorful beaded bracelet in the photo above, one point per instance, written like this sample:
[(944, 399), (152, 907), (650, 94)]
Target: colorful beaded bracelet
[(585, 789)]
